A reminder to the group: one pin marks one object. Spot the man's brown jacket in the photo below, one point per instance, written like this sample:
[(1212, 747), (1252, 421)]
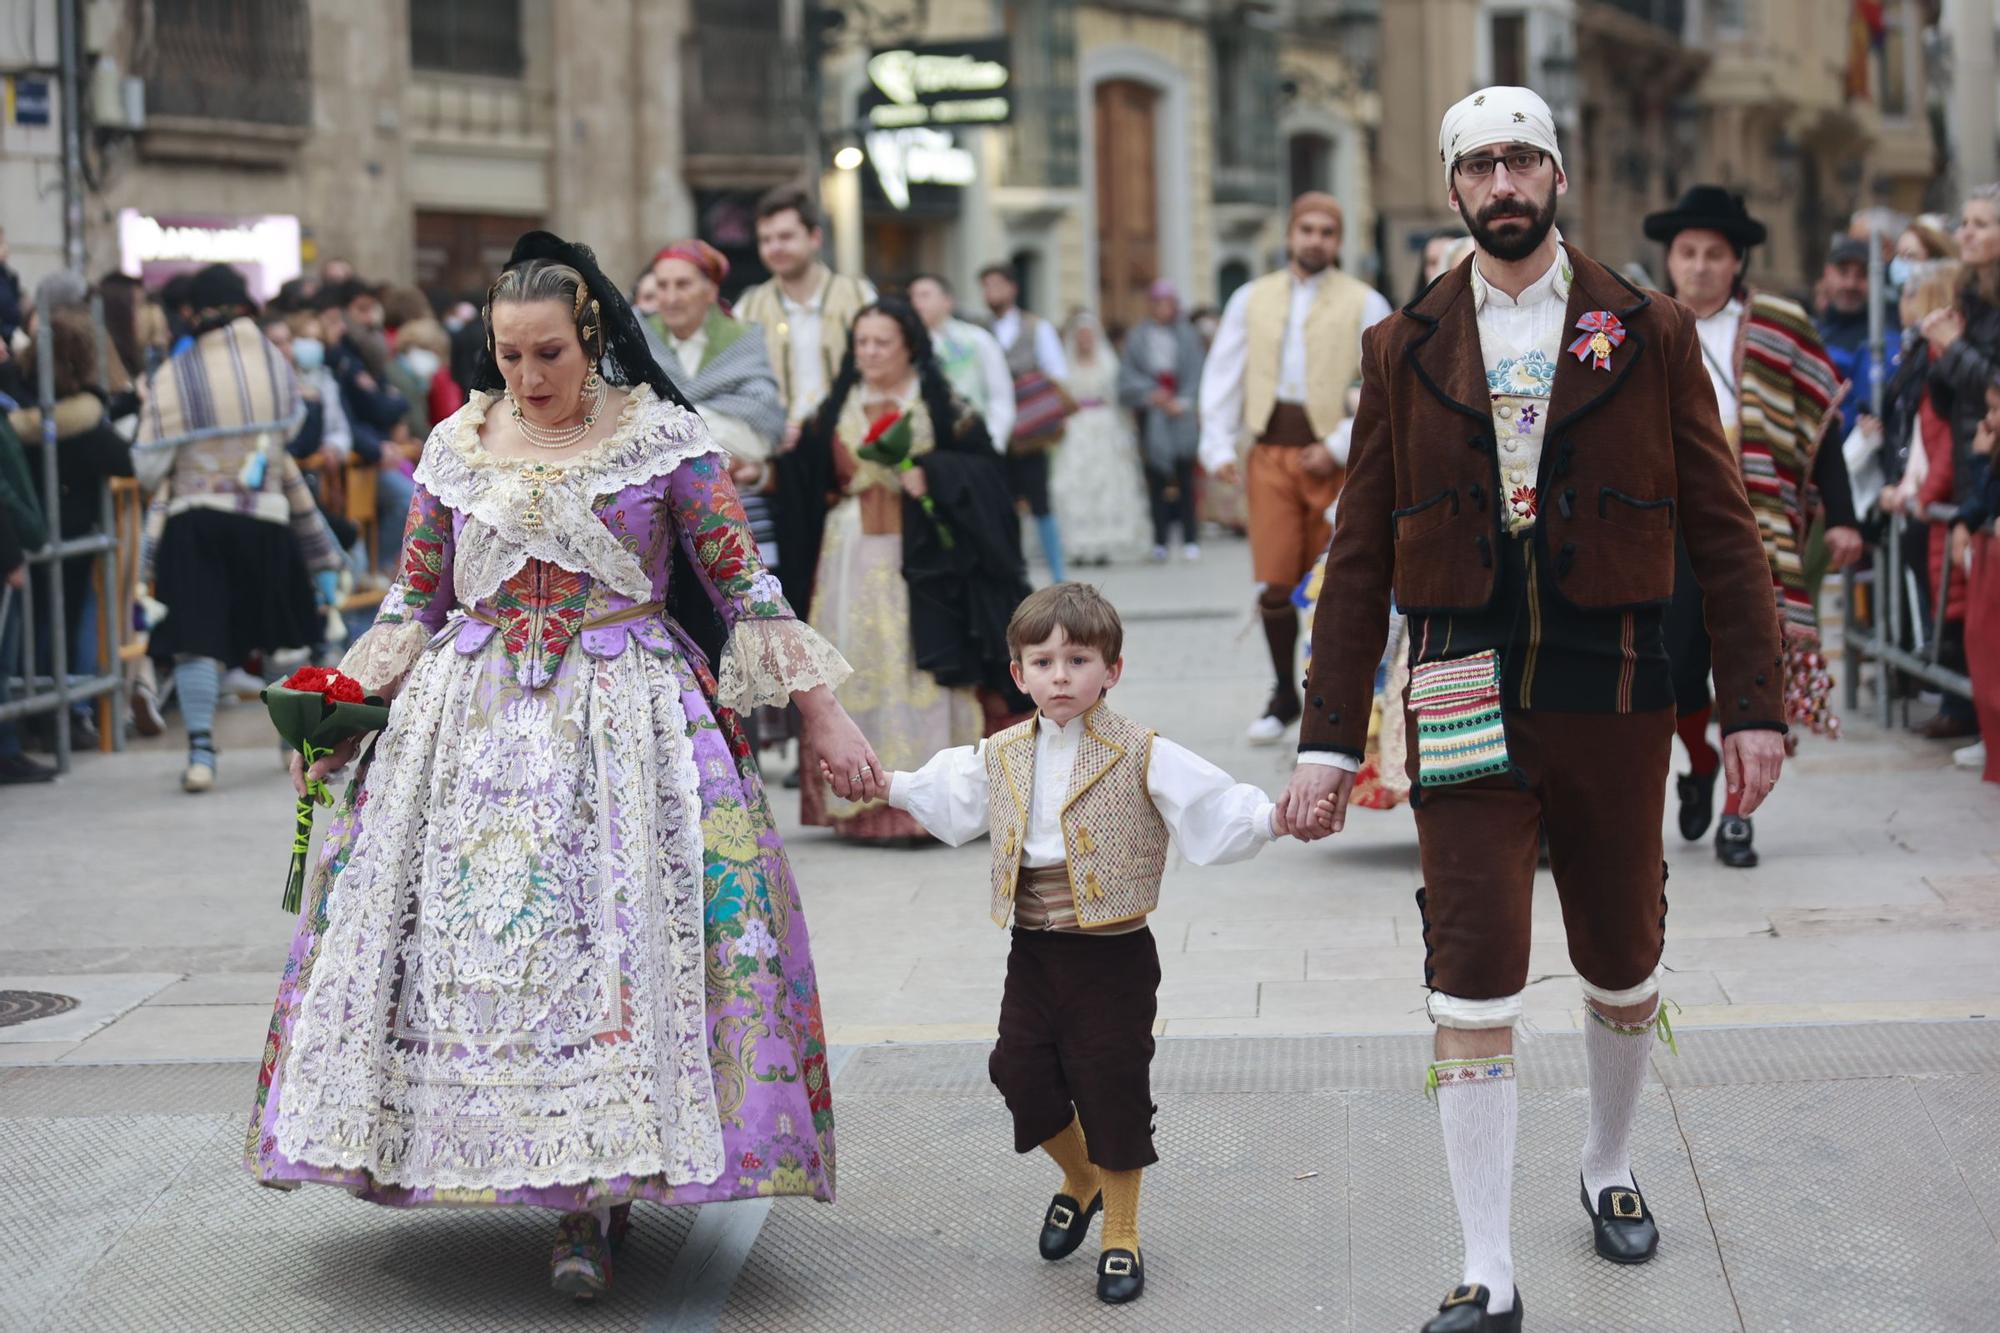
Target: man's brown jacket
[(1631, 456)]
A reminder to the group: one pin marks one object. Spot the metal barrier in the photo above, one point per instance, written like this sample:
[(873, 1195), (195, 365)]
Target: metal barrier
[(1881, 639), (31, 693)]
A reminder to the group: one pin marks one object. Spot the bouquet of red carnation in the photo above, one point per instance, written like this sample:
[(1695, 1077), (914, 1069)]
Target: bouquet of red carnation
[(314, 710), (889, 443)]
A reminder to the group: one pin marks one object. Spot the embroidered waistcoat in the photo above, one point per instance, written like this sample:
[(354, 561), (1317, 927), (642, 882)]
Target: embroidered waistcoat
[(1114, 838)]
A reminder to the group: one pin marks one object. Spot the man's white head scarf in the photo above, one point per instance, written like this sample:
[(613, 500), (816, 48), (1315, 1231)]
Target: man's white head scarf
[(1494, 116)]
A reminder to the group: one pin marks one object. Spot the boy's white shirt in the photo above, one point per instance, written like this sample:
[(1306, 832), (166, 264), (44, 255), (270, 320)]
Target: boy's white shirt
[(1214, 819)]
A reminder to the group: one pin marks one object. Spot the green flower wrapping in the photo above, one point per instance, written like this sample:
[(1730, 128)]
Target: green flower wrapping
[(888, 444), (314, 710)]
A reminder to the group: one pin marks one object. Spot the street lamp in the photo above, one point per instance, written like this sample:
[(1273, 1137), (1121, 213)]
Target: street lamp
[(848, 158)]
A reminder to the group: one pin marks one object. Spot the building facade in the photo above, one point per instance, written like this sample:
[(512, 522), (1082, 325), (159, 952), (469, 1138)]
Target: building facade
[(1145, 141), (1771, 97), (418, 138)]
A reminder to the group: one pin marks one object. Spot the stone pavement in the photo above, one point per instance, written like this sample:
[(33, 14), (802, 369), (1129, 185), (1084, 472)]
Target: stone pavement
[(1868, 938)]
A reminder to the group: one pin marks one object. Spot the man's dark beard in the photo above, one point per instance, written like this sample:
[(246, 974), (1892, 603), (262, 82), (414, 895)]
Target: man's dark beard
[(1320, 267), (1515, 245)]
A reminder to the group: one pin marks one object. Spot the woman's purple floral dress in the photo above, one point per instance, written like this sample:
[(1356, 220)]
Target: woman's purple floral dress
[(552, 952)]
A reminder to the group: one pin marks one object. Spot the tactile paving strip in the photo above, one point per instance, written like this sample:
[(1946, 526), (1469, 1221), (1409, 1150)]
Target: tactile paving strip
[(1837, 1207), (1835, 1177), (935, 1228), (215, 1251)]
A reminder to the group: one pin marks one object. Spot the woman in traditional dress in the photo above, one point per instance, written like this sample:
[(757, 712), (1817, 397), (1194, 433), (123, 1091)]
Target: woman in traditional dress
[(916, 597), (552, 953), (1098, 484)]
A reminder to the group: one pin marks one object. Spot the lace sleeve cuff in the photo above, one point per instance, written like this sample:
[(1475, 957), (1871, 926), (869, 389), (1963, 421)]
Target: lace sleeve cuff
[(381, 658), (769, 660)]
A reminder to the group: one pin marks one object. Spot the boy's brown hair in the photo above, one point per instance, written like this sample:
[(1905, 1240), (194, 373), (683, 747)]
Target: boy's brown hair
[(1080, 611)]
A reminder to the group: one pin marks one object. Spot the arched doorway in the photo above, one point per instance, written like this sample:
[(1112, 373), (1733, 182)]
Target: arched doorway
[(1128, 199)]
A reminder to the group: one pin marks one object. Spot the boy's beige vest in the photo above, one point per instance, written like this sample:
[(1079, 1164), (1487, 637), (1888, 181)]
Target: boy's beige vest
[(1115, 839), (1333, 347)]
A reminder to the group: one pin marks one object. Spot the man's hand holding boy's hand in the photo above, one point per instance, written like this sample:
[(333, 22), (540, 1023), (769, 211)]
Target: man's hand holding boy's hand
[(1315, 804)]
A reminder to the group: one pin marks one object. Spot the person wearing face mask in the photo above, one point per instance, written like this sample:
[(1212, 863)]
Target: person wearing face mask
[(1776, 407), (1925, 241), (418, 372)]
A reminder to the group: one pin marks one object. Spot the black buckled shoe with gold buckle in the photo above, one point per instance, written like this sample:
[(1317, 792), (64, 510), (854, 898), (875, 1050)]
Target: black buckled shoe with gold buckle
[(1623, 1224), (1464, 1311), (1066, 1224), (1121, 1277)]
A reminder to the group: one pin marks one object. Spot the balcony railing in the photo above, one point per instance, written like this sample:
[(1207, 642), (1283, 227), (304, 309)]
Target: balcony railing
[(248, 61), (1670, 15), (744, 91)]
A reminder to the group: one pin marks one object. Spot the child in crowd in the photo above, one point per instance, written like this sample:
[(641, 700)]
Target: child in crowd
[(1081, 803)]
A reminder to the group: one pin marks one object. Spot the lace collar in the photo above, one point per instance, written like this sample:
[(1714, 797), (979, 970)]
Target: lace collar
[(523, 508)]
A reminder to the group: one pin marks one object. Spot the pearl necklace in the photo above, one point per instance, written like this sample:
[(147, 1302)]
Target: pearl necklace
[(543, 437)]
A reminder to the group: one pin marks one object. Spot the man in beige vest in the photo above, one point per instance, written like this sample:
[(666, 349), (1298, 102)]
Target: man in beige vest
[(1288, 349), (805, 308)]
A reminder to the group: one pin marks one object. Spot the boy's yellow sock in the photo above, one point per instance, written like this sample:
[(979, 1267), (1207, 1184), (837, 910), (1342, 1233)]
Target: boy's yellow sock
[(1080, 1178), (1121, 1209)]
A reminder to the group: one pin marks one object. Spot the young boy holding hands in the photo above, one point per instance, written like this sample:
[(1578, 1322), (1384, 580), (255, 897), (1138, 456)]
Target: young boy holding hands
[(1081, 804)]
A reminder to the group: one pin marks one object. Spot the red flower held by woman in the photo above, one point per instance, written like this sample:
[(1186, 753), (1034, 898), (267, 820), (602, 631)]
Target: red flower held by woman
[(882, 426)]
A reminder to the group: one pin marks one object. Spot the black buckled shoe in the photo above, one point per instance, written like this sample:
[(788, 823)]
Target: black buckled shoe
[(1697, 793), (1733, 843), (1066, 1224), (1464, 1311), (1121, 1277), (1624, 1228)]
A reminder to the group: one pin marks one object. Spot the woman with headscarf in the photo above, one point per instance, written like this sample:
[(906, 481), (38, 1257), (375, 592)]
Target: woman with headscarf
[(912, 572), (552, 954), (1096, 480)]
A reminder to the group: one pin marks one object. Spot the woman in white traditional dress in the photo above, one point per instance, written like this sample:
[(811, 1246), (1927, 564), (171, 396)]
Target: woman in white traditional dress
[(1098, 484), (552, 953)]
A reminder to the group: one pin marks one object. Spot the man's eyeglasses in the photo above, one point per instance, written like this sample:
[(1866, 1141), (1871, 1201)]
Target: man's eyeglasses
[(1524, 162)]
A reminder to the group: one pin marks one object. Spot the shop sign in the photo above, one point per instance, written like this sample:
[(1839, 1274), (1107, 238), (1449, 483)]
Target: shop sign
[(903, 158), (957, 83), (265, 248)]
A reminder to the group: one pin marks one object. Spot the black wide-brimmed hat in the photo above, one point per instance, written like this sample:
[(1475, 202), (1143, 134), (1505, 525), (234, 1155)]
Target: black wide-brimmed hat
[(1710, 208)]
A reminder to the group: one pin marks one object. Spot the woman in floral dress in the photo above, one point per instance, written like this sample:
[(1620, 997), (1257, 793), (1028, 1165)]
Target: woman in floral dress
[(552, 953)]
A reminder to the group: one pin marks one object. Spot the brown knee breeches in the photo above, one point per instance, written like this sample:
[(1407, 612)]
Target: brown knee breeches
[(1597, 782), (1076, 1039)]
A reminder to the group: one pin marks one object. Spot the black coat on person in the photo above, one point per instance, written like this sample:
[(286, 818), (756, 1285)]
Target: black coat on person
[(962, 594)]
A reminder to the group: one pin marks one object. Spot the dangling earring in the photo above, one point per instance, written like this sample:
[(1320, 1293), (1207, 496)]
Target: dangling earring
[(592, 380)]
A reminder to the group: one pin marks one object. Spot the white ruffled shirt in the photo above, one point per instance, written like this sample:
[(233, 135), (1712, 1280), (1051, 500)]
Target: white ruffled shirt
[(1214, 819)]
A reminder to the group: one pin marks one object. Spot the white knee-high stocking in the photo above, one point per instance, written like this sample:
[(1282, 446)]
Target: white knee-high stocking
[(1618, 1054), (1479, 1111)]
